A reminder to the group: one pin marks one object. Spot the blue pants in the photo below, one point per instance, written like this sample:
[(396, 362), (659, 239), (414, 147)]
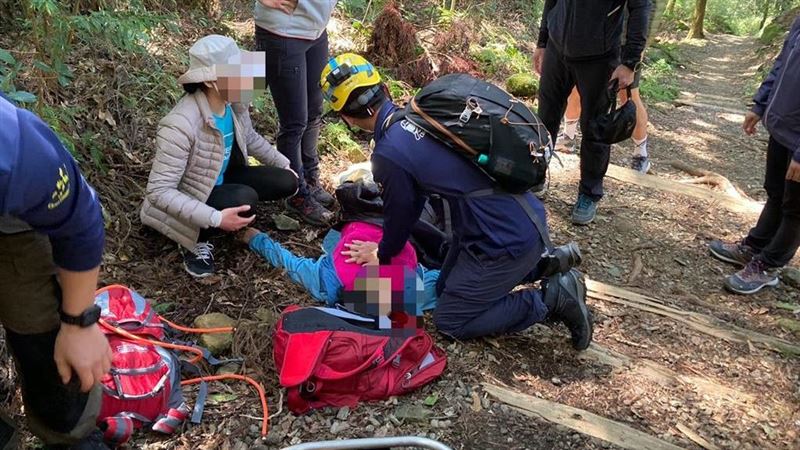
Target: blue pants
[(475, 297), (318, 276)]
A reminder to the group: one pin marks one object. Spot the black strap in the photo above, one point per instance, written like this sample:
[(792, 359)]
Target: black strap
[(393, 118), (611, 93), (520, 198)]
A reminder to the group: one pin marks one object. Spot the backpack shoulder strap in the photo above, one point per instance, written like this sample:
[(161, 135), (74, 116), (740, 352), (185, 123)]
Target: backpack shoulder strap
[(393, 118), (520, 198)]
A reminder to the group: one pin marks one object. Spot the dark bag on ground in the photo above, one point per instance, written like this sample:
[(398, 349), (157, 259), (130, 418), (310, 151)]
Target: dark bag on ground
[(486, 125), (332, 357), (617, 125)]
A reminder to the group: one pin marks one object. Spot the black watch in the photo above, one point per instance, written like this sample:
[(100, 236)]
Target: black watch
[(87, 318)]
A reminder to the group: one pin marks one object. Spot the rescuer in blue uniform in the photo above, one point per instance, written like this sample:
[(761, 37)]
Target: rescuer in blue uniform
[(51, 245)]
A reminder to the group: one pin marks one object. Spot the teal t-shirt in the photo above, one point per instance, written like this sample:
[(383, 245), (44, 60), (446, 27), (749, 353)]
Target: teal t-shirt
[(225, 126)]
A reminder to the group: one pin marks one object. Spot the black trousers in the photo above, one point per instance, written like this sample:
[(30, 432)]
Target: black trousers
[(776, 236), (247, 185), (591, 77), (30, 297), (293, 70)]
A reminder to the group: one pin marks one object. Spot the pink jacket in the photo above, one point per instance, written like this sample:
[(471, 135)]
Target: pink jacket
[(362, 231)]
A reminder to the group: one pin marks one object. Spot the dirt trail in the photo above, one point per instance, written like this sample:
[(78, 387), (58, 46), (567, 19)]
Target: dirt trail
[(655, 243), (703, 127)]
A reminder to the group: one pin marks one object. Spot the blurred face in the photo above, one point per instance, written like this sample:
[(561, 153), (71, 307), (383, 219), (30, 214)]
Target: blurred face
[(241, 82)]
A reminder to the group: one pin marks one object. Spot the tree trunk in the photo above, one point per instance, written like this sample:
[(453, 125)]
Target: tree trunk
[(696, 32), (765, 15), (671, 7)]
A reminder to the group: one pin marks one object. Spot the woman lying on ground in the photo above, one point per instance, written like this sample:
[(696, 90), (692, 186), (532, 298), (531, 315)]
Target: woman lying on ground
[(201, 179), (333, 276)]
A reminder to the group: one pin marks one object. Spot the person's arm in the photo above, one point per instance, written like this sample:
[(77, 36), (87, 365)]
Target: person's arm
[(544, 35), (762, 95), (402, 206), (304, 271), (173, 147), (257, 146), (54, 199), (636, 37)]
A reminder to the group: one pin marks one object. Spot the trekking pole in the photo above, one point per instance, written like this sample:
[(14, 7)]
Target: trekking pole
[(372, 443)]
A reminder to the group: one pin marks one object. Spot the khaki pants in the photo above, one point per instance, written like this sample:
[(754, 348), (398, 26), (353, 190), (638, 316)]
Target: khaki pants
[(29, 300)]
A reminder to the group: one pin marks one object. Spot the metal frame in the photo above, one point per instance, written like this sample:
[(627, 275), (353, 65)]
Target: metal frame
[(372, 443)]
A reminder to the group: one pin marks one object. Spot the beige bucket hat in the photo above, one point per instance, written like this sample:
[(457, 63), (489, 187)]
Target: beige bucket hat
[(214, 55)]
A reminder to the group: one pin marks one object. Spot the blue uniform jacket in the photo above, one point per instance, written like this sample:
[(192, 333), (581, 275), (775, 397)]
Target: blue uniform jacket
[(410, 165), (41, 185)]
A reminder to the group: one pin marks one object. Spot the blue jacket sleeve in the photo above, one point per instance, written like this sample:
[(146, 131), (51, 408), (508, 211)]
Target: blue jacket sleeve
[(49, 193), (761, 98), (402, 206)]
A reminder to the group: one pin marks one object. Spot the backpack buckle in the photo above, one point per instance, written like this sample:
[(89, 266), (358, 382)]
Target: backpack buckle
[(471, 107)]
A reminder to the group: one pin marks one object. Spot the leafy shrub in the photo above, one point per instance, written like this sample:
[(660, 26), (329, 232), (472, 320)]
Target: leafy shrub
[(336, 138), (659, 81), (522, 85), (501, 59)]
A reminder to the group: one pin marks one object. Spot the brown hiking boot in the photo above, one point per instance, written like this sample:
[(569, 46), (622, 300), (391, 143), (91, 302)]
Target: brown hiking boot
[(309, 210), (321, 196), (735, 253)]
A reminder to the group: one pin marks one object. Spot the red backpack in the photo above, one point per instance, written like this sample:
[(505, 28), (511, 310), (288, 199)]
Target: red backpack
[(331, 357), (143, 386)]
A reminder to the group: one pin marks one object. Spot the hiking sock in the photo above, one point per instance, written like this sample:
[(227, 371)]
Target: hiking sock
[(640, 147), (570, 128)]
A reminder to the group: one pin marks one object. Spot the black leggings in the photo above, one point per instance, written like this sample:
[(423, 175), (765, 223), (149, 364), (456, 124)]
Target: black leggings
[(247, 185)]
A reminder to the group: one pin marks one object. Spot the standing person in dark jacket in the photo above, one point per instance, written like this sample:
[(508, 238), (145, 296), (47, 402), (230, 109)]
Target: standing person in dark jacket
[(580, 45), (773, 242), (51, 245), (497, 246), (292, 34)]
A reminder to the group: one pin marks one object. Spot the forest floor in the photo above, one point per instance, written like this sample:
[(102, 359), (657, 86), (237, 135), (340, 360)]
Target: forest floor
[(655, 374)]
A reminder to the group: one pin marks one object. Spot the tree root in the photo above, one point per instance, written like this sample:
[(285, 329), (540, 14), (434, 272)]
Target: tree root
[(709, 178)]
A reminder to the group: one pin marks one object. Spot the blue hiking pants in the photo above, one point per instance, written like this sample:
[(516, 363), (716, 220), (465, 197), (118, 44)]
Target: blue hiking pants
[(475, 297)]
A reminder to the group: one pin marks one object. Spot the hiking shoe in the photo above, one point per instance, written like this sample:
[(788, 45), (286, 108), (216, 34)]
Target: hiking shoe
[(584, 211), (309, 210), (566, 144), (200, 261), (734, 253), (565, 297), (640, 164), (755, 276), (321, 196), (93, 441)]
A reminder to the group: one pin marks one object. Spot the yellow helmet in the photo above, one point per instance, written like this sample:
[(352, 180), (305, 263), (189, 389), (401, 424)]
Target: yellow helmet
[(344, 74)]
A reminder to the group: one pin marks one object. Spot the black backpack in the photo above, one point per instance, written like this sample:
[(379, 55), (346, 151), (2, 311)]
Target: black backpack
[(486, 125)]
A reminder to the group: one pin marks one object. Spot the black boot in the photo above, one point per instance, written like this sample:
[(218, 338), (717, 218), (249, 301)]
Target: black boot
[(565, 297), (92, 442)]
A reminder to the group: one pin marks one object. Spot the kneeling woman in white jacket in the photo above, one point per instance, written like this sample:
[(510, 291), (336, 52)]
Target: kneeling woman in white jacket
[(200, 179)]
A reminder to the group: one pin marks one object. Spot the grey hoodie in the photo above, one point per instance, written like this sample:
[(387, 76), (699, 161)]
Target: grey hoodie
[(778, 99), (308, 21)]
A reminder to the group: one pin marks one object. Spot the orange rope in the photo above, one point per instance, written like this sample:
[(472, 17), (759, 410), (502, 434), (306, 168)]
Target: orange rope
[(252, 382), (199, 356), (197, 330), (184, 348)]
